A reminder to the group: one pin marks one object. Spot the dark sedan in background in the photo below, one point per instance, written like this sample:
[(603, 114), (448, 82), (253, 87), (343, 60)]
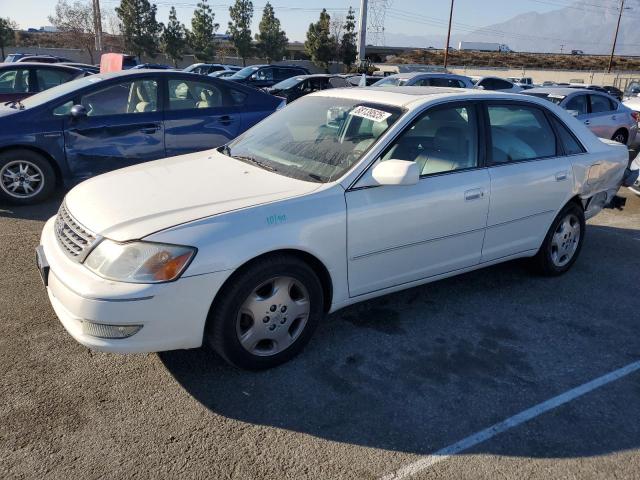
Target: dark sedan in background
[(296, 87), (21, 80), (108, 121), (262, 76)]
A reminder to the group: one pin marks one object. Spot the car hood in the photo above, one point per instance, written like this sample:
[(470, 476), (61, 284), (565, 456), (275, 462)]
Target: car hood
[(137, 201)]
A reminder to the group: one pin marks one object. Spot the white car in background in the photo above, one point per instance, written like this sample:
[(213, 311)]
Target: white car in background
[(342, 196), (496, 84)]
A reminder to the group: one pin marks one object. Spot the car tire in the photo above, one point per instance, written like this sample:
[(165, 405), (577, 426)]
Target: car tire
[(563, 242), (35, 177), (258, 319), (621, 136)]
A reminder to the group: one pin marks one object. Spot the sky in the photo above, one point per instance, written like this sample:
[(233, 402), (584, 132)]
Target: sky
[(408, 17)]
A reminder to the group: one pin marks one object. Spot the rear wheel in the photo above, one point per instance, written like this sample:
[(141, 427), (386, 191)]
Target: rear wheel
[(562, 243), (26, 177), (620, 136), (266, 313)]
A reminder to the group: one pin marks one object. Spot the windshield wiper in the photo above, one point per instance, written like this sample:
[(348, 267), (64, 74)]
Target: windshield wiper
[(255, 161), (13, 103)]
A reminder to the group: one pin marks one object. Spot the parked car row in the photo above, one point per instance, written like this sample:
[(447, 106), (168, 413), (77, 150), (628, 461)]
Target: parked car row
[(595, 106)]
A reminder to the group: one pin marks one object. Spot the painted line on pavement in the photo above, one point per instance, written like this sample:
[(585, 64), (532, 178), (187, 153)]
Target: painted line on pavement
[(511, 422)]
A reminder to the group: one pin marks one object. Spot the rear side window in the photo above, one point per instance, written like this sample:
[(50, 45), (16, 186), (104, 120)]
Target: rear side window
[(578, 104), (519, 133), (14, 81), (570, 145), (600, 104), (192, 94), (48, 78)]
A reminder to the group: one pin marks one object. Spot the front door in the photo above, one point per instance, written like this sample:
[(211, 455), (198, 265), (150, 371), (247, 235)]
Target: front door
[(122, 127), (400, 234), (530, 179), (200, 115)]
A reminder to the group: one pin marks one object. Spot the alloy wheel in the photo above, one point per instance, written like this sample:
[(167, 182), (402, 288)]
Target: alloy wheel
[(21, 179)]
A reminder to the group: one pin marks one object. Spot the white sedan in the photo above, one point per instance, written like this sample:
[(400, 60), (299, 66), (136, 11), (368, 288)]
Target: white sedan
[(344, 195)]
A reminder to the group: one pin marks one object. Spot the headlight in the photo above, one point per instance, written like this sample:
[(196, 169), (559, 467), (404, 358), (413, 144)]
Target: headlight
[(139, 262)]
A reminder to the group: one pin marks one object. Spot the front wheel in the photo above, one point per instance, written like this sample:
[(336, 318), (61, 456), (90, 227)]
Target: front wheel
[(562, 243), (26, 177), (266, 313)]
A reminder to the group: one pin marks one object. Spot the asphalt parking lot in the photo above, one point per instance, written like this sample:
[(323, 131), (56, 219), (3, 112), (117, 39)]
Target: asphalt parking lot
[(383, 384)]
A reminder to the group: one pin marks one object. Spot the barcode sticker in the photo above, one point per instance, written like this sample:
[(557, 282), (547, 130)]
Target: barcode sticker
[(370, 113)]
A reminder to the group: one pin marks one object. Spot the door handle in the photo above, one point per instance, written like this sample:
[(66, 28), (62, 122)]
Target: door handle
[(149, 129), (225, 119), (587, 122), (613, 117), (473, 194), (560, 176)]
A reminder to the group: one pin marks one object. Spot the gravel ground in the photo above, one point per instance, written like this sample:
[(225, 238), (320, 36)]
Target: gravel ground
[(381, 384)]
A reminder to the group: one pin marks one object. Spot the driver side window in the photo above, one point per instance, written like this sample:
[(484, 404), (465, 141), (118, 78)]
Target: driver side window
[(127, 97), (441, 140)]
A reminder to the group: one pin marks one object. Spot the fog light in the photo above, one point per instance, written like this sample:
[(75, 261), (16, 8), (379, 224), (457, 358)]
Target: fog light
[(102, 330)]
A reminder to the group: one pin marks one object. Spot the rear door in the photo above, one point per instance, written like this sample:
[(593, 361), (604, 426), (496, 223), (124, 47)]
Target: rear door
[(531, 178), (200, 114), (602, 117), (123, 126)]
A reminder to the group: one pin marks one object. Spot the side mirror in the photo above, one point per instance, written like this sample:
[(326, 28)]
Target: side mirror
[(78, 111), (479, 87), (396, 172)]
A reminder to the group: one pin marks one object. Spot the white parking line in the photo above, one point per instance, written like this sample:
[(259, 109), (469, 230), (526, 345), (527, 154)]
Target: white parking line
[(511, 422)]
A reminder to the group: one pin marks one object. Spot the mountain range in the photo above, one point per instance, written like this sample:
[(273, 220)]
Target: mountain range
[(583, 25)]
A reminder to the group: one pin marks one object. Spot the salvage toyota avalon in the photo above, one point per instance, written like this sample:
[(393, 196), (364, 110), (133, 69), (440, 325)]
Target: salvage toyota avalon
[(344, 195)]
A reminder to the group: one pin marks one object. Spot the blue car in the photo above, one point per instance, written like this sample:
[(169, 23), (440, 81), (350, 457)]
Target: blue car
[(107, 121)]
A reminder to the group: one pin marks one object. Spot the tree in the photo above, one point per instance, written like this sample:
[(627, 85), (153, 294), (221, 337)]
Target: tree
[(241, 14), (75, 21), (7, 35), (139, 27), (203, 32), (174, 38), (348, 47), (271, 41), (320, 45)]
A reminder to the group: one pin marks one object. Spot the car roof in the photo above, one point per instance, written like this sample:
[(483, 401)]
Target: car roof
[(58, 66), (423, 74), (566, 91), (414, 97)]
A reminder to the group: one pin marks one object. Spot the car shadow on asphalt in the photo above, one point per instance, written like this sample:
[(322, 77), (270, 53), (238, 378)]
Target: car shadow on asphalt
[(41, 211), (420, 369)]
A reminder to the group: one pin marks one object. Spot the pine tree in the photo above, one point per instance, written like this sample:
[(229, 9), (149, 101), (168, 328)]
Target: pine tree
[(241, 14), (174, 38), (320, 45), (348, 47), (271, 41), (203, 32), (139, 26)]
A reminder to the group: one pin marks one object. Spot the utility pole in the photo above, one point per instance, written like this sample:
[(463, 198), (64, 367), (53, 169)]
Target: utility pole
[(362, 32), (615, 38), (561, 48), (446, 48), (97, 21)]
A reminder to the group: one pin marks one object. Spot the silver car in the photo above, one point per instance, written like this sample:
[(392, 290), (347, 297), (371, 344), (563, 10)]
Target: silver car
[(425, 79), (604, 115)]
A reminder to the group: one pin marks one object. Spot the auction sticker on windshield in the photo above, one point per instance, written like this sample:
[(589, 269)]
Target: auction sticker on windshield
[(370, 113)]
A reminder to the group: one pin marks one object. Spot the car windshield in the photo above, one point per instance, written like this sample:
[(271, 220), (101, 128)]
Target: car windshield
[(244, 73), (315, 139), (288, 83), (59, 91), (390, 82), (552, 97)]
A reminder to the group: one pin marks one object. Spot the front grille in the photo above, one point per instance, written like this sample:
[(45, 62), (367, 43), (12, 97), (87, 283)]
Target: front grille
[(74, 239)]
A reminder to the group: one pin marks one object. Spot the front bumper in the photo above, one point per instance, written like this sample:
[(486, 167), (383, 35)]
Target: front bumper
[(172, 315)]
